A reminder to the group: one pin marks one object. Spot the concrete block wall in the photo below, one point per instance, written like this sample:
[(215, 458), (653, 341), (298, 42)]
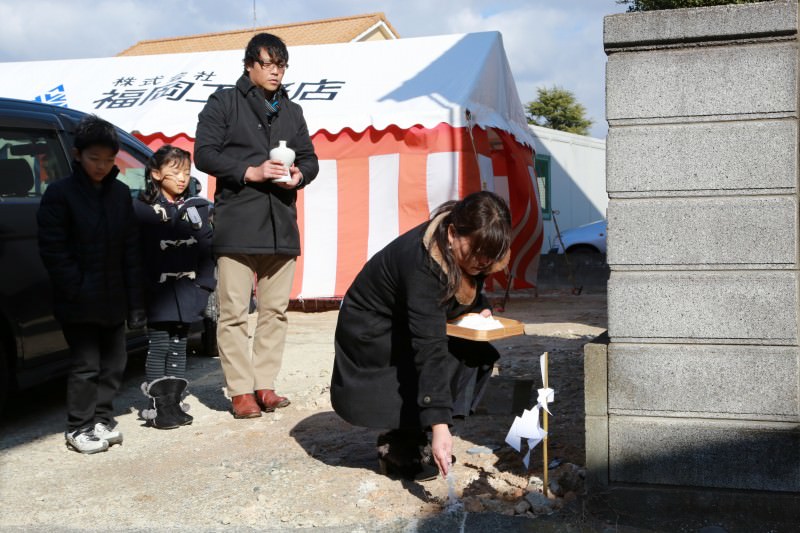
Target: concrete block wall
[(702, 372)]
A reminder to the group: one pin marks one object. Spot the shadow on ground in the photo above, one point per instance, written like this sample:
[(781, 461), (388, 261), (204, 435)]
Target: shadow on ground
[(331, 440)]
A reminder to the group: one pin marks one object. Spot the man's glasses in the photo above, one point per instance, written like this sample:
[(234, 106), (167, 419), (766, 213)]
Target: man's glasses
[(267, 65)]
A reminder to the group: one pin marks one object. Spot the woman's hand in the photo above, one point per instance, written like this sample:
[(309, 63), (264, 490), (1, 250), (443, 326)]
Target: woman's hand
[(486, 313), (442, 447)]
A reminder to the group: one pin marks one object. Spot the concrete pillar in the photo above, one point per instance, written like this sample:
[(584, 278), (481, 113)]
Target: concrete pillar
[(703, 367)]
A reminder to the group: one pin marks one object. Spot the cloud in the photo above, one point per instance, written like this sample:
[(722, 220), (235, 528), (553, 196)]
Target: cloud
[(547, 43), (54, 29)]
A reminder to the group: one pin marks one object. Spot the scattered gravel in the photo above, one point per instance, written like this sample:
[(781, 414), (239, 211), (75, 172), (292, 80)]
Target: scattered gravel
[(301, 467)]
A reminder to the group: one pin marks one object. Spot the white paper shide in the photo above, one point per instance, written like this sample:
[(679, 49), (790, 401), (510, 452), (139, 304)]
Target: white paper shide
[(528, 426)]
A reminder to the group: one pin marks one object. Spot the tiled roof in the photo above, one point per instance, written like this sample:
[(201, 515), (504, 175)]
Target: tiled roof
[(372, 26)]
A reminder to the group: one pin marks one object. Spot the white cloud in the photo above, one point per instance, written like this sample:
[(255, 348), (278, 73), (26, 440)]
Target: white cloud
[(547, 42), (54, 29)]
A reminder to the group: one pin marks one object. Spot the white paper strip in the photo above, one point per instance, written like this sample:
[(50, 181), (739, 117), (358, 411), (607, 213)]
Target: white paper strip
[(528, 426), (545, 397)]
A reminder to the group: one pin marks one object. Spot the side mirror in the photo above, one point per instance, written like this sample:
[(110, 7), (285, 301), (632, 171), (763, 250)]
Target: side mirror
[(195, 187), (31, 149)]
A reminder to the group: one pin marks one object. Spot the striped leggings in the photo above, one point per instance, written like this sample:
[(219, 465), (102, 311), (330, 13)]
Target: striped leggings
[(166, 354)]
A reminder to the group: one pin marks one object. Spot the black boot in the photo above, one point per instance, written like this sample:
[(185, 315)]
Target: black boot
[(407, 454), (185, 417), (400, 453), (166, 412)]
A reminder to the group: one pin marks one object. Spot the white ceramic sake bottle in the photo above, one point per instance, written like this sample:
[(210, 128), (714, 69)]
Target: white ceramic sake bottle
[(285, 155)]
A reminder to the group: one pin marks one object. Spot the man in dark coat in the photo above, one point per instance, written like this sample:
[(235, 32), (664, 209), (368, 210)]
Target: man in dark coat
[(89, 244), (255, 217)]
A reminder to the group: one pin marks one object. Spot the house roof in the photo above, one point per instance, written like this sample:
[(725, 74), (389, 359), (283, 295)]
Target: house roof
[(369, 27)]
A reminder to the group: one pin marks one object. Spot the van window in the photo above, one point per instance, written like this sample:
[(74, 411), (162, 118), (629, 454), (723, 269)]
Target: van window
[(131, 169), (30, 159)]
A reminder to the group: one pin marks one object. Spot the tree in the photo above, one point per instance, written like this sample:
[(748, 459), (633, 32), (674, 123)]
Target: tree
[(557, 108), (652, 5)]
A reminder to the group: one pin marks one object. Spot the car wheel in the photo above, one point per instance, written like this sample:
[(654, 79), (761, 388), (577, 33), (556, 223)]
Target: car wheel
[(5, 379), (582, 249), (209, 335), (209, 338)]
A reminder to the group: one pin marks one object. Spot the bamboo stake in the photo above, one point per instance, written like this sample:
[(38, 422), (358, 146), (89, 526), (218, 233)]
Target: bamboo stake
[(544, 425)]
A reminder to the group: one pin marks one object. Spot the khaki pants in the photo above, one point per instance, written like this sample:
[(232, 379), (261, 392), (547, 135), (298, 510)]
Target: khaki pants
[(246, 372)]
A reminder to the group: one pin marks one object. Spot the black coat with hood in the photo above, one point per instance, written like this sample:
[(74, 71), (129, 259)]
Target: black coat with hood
[(394, 363), (89, 243), (234, 133), (178, 263)]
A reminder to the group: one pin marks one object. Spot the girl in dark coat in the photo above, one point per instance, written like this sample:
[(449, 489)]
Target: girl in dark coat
[(179, 277), (395, 366)]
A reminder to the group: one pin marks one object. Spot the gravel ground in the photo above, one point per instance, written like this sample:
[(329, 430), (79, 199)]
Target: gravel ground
[(303, 467)]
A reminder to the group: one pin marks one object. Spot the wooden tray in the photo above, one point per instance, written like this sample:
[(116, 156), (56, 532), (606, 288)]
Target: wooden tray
[(510, 328)]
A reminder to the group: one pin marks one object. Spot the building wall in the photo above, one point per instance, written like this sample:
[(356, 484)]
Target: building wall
[(698, 387), (578, 178)]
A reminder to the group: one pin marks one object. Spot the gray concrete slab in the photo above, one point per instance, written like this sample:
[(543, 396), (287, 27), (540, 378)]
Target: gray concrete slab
[(719, 307), (699, 82), (705, 453), (595, 376), (704, 380), (703, 25), (714, 156), (709, 232)]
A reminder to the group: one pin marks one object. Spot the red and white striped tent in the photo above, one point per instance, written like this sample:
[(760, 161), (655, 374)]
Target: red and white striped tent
[(399, 126)]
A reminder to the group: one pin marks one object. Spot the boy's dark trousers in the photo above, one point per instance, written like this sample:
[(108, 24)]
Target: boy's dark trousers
[(98, 357)]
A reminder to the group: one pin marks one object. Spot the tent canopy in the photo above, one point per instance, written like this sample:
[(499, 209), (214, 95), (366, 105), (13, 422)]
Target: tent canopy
[(399, 127), (460, 80)]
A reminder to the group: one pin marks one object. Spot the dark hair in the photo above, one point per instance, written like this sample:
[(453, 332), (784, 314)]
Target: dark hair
[(94, 131), (165, 155), (484, 218), (273, 45)]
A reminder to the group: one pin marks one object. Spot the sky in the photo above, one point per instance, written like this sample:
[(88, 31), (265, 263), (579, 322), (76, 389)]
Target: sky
[(548, 42)]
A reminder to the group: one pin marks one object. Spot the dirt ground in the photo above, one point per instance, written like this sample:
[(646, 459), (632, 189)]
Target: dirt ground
[(303, 467)]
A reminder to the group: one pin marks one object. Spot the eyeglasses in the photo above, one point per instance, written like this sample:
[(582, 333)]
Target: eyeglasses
[(267, 65)]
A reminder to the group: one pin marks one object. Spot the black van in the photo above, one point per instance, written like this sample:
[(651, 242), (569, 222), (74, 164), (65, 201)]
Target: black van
[(36, 143)]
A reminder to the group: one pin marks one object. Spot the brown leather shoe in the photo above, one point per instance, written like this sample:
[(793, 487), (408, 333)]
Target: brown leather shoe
[(245, 406), (269, 401)]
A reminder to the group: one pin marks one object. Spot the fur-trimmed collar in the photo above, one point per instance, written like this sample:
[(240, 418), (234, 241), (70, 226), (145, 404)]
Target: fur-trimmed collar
[(467, 290)]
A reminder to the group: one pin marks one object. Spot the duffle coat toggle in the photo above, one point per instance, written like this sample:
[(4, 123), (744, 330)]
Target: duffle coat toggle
[(166, 243)]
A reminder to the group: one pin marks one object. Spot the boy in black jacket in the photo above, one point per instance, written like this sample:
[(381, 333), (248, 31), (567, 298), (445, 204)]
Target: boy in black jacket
[(88, 241)]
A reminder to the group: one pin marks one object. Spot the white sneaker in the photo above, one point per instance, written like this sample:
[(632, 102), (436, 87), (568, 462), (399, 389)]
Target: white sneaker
[(111, 436), (85, 442)]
